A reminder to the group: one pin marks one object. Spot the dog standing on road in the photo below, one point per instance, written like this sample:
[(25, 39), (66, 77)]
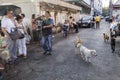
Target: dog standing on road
[(106, 37), (86, 53)]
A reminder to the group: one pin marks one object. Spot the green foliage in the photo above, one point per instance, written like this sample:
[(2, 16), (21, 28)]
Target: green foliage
[(105, 11)]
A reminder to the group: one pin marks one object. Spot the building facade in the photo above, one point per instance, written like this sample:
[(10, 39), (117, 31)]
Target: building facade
[(97, 7), (60, 10), (116, 8), (89, 7), (86, 8)]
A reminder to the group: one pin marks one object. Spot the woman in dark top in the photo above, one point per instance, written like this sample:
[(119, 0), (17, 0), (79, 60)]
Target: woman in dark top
[(34, 26), (93, 23)]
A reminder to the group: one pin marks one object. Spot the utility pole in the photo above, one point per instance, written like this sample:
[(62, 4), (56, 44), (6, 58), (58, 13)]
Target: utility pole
[(92, 7), (110, 8)]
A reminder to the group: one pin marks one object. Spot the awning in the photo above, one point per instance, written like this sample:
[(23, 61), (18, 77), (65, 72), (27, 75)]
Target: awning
[(14, 8), (116, 5), (62, 3)]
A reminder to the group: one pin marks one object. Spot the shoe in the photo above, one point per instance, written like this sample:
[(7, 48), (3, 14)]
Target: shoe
[(112, 51), (45, 52), (1, 67), (20, 56), (25, 57), (49, 53)]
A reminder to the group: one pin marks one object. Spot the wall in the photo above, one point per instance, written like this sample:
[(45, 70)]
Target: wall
[(61, 17), (116, 12), (98, 5), (28, 9), (33, 8)]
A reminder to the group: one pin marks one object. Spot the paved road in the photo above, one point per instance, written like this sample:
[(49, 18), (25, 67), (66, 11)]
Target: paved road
[(65, 64)]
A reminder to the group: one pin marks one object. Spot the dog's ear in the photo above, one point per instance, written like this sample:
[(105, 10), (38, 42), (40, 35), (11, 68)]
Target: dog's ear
[(93, 52)]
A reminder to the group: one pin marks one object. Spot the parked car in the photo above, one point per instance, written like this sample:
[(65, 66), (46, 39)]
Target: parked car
[(84, 22), (108, 19), (102, 17)]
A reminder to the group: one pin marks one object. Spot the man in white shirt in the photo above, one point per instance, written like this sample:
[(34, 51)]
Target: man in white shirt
[(7, 24)]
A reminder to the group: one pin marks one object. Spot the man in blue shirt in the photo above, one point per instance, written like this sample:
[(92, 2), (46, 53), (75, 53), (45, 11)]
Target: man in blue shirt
[(47, 25)]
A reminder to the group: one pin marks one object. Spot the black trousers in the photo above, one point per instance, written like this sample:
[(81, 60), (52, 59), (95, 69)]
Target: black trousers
[(76, 28), (35, 36), (113, 47), (97, 24)]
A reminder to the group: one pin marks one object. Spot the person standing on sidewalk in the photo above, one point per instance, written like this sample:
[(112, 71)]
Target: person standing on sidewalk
[(47, 25), (70, 23), (93, 23), (75, 25), (7, 24), (34, 27), (65, 28), (21, 42), (97, 21)]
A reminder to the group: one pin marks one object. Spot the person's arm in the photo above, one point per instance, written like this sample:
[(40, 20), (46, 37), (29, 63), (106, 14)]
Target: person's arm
[(5, 32), (24, 29), (51, 24), (3, 28)]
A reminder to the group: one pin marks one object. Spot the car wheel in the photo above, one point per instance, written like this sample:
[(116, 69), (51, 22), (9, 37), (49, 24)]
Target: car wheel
[(88, 25)]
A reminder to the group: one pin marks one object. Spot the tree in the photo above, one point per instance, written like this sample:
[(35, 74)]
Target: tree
[(105, 11)]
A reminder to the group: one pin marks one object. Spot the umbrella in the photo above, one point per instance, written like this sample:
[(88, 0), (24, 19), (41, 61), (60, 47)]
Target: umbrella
[(16, 10)]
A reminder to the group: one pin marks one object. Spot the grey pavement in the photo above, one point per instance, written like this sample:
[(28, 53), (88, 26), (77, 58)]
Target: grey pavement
[(66, 64)]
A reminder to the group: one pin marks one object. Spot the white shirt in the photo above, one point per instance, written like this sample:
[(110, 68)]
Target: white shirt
[(24, 22), (66, 24), (7, 23), (20, 27)]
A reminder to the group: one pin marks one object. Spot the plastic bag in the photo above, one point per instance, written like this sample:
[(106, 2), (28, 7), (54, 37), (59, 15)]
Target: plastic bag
[(28, 39)]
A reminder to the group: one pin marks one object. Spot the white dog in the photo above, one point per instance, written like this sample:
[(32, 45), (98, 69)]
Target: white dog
[(85, 52), (5, 55)]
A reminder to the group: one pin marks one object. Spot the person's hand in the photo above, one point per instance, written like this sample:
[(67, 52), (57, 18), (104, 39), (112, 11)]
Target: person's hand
[(8, 37), (45, 27)]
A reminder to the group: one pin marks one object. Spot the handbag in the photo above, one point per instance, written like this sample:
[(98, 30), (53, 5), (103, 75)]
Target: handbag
[(21, 35), (16, 34)]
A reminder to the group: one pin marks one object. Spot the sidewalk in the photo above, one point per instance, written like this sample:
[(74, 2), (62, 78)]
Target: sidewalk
[(35, 56)]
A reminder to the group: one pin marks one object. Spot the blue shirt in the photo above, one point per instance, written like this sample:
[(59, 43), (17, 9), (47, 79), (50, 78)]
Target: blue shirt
[(47, 31)]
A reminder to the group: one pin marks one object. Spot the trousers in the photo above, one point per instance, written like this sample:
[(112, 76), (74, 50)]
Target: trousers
[(47, 43), (22, 47), (12, 47)]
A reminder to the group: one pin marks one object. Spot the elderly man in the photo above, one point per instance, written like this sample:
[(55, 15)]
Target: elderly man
[(7, 24)]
